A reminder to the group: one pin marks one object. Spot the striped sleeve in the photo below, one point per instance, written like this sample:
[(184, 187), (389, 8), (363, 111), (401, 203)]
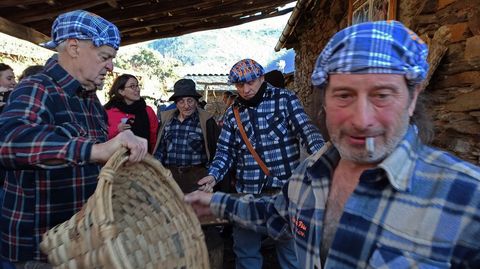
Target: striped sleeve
[(30, 137)]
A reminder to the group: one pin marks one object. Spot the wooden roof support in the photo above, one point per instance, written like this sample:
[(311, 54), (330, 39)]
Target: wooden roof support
[(291, 23), (139, 20), (9, 3), (211, 15), (145, 11), (37, 15), (112, 3), (21, 32), (180, 30)]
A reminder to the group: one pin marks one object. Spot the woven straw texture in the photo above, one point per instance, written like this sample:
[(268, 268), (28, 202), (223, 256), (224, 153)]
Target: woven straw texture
[(135, 219)]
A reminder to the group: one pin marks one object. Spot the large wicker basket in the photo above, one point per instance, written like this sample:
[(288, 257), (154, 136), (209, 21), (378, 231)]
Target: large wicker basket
[(135, 219)]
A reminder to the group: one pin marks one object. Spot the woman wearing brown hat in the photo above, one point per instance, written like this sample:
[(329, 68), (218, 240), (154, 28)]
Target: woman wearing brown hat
[(126, 110)]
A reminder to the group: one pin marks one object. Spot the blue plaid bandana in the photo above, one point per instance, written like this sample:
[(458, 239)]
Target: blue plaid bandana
[(382, 47), (83, 25), (244, 71)]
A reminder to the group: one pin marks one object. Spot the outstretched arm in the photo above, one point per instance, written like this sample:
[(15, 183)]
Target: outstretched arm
[(268, 214)]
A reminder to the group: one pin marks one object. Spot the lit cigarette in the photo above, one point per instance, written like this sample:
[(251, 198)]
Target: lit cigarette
[(370, 146)]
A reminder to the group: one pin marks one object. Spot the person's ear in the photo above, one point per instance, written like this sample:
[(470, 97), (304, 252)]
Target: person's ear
[(413, 103), (72, 47)]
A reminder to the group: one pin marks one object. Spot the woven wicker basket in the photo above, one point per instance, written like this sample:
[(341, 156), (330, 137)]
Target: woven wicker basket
[(135, 219)]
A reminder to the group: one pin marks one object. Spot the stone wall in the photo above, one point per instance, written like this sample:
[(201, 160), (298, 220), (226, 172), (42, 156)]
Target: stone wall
[(453, 93), (454, 89)]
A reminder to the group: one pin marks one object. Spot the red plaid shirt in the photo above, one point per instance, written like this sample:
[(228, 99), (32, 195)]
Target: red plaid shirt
[(47, 131)]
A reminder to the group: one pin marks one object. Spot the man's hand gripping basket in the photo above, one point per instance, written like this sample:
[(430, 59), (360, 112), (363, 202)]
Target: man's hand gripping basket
[(135, 219)]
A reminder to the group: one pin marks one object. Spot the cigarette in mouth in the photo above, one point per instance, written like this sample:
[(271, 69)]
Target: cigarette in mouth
[(370, 146)]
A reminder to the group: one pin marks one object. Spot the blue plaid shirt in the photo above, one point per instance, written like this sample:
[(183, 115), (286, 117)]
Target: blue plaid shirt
[(274, 128), (182, 142), (47, 131), (419, 208)]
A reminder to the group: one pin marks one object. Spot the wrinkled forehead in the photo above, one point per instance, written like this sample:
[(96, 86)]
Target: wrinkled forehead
[(186, 99)]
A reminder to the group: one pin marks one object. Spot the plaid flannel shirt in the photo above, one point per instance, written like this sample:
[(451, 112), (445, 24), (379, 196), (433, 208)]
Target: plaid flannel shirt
[(47, 131), (420, 208), (274, 128), (182, 142)]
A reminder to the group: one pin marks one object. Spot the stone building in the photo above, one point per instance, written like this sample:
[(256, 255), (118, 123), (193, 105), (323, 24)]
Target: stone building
[(452, 30)]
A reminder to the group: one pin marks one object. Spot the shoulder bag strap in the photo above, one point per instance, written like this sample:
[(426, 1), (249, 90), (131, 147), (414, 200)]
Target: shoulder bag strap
[(247, 142)]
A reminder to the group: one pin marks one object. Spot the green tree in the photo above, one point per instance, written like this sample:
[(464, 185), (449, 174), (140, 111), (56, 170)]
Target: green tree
[(156, 70)]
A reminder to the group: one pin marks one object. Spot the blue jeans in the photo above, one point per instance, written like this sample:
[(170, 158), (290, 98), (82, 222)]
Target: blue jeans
[(246, 246)]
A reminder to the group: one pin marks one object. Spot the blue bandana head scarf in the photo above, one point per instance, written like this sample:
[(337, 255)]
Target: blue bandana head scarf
[(382, 47)]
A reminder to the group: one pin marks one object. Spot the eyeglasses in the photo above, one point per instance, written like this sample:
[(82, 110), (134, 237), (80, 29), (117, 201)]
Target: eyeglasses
[(133, 86)]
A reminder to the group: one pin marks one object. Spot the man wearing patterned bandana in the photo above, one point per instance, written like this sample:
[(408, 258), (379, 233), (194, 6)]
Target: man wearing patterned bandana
[(53, 136), (375, 196), (274, 121)]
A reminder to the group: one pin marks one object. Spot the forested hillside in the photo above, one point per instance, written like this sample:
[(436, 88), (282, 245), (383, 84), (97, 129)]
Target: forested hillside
[(158, 64), (216, 51)]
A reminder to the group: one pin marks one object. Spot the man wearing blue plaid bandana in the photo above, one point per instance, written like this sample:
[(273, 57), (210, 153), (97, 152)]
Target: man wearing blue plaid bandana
[(375, 196), (53, 136), (274, 122)]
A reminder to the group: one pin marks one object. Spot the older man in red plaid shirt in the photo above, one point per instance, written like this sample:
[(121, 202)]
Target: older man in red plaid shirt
[(53, 136)]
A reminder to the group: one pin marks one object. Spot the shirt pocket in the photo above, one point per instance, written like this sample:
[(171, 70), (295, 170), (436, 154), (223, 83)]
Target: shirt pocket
[(195, 141), (388, 257), (276, 126)]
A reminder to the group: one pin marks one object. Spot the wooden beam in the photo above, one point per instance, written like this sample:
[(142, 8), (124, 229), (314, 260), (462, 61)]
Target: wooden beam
[(232, 11), (151, 10), (52, 12), (112, 3), (137, 19), (44, 26), (180, 30), (10, 3), (22, 32)]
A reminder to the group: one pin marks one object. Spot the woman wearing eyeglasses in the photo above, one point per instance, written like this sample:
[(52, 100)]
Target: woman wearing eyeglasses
[(7, 82), (127, 110)]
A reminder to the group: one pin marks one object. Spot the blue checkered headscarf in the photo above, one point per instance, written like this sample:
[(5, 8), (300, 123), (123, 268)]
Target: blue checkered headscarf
[(244, 71), (83, 25), (382, 47)]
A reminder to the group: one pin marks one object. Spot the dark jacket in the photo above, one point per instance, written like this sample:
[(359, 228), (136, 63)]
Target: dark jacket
[(210, 130)]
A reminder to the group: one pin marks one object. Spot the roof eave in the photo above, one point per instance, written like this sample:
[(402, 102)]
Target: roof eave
[(297, 13)]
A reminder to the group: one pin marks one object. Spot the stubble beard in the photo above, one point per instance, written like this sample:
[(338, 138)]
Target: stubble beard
[(383, 148)]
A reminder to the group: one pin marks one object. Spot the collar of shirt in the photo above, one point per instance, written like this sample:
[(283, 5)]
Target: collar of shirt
[(398, 166), (64, 80), (268, 92)]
